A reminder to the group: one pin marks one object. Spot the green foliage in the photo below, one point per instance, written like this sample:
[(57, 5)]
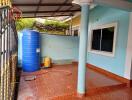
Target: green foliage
[(49, 26), (24, 23), (52, 27), (56, 24)]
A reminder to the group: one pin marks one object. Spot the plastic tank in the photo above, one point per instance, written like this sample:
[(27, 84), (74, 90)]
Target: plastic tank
[(30, 50)]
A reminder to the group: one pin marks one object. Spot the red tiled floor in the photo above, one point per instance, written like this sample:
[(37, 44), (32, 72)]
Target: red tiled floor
[(107, 94), (59, 83)]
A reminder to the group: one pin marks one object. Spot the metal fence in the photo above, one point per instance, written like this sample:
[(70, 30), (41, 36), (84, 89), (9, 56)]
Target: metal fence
[(8, 55)]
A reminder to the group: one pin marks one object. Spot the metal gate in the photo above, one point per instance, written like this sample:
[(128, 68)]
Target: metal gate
[(8, 54)]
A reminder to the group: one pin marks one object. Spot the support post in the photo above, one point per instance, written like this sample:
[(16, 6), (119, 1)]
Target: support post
[(83, 49)]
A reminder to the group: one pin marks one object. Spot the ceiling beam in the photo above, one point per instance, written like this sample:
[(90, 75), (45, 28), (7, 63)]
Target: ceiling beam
[(69, 9), (44, 16), (38, 7), (61, 6), (51, 11), (44, 4)]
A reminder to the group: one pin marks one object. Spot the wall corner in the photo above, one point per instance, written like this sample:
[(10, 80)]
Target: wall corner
[(128, 63)]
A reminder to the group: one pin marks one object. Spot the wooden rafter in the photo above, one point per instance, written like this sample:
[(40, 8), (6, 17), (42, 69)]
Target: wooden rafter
[(43, 4), (46, 16), (51, 11), (71, 14), (60, 7), (37, 7)]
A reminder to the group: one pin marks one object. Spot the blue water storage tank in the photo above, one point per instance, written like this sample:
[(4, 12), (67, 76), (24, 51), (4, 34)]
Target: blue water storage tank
[(30, 50)]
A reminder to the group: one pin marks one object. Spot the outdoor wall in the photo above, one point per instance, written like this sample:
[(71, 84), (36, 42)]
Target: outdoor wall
[(103, 15), (19, 49), (128, 65), (66, 47), (75, 21), (59, 47)]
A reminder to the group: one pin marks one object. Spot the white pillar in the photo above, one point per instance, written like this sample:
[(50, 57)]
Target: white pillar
[(83, 48)]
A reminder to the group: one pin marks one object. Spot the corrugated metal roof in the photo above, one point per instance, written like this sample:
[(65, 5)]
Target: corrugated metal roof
[(46, 8)]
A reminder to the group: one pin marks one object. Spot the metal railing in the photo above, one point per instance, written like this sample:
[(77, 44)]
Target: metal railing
[(8, 54)]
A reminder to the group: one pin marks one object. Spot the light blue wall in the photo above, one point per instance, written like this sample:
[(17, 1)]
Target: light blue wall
[(66, 47), (59, 47), (103, 15), (19, 49)]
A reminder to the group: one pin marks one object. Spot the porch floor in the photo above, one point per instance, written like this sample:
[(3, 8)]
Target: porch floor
[(60, 82)]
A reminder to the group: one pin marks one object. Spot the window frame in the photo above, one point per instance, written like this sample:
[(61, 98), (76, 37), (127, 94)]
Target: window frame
[(99, 52)]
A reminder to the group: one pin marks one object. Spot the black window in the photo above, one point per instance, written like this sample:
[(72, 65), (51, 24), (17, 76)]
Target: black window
[(102, 39), (76, 32), (96, 39)]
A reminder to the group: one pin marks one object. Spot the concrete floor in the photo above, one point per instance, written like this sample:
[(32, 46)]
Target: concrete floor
[(60, 82)]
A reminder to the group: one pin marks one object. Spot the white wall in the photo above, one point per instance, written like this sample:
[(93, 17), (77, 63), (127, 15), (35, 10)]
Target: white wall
[(128, 66)]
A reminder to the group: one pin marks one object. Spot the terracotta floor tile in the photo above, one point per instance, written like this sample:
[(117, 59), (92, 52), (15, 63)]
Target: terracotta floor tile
[(60, 82)]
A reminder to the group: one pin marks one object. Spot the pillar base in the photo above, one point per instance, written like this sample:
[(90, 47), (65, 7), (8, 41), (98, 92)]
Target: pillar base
[(81, 95)]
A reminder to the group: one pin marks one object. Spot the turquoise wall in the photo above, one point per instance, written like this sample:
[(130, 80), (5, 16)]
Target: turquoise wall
[(104, 15), (66, 47), (59, 47), (19, 49)]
